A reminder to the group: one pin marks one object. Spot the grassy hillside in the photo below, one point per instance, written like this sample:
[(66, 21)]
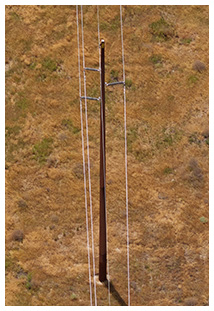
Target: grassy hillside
[(166, 54)]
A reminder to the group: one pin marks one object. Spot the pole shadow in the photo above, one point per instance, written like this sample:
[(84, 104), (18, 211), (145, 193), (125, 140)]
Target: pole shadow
[(115, 293)]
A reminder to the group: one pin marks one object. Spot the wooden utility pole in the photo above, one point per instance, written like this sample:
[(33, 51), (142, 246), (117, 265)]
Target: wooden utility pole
[(102, 244)]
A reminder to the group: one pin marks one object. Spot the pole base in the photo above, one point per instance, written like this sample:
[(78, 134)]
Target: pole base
[(98, 282)]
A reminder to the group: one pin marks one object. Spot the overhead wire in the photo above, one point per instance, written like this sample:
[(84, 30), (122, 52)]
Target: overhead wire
[(83, 158), (104, 160), (126, 164), (88, 156)]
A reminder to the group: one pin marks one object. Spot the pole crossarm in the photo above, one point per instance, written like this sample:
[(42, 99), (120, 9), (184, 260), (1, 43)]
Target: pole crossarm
[(90, 98), (115, 83), (92, 69)]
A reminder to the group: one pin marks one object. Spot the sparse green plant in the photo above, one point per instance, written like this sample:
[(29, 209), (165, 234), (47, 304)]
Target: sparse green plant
[(192, 79), (94, 92), (12, 131), (76, 130), (74, 102), (29, 277), (112, 25), (42, 150), (131, 137), (161, 30), (186, 41), (28, 284), (207, 141), (26, 44), (73, 296), (171, 98), (15, 16), (128, 83), (49, 64), (114, 74), (104, 26), (8, 262), (203, 220), (42, 77), (141, 155), (168, 137), (115, 22), (32, 65), (69, 125), (12, 149), (194, 139), (168, 170), (22, 103), (156, 59)]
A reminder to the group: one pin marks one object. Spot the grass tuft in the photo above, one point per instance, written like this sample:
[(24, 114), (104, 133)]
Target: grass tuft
[(192, 79), (203, 220), (161, 30), (128, 83), (168, 170), (68, 124), (114, 74), (156, 59), (15, 16), (22, 103), (12, 131), (42, 150), (186, 41), (49, 64)]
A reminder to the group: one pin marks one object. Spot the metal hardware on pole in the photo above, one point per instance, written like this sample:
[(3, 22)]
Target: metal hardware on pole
[(91, 69), (90, 98), (115, 83)]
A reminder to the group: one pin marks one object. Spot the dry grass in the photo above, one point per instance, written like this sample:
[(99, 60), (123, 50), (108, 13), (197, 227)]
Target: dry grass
[(167, 116)]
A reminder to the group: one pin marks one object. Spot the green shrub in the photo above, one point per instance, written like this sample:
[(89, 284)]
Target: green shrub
[(114, 74), (49, 64), (131, 137), (186, 41), (128, 82), (168, 170), (203, 220), (161, 30), (42, 150), (69, 125), (193, 79), (15, 16), (155, 59), (12, 131), (22, 103)]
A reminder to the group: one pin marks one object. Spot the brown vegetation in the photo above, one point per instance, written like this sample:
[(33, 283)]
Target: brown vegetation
[(168, 147)]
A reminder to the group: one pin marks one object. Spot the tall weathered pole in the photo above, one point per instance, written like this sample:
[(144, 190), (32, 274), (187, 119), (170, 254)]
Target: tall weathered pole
[(102, 242)]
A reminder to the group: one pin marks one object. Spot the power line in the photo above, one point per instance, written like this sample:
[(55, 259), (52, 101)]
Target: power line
[(83, 159), (88, 154), (126, 164)]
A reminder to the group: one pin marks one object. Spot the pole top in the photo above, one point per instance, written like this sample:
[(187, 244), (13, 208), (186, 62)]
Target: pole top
[(102, 43)]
